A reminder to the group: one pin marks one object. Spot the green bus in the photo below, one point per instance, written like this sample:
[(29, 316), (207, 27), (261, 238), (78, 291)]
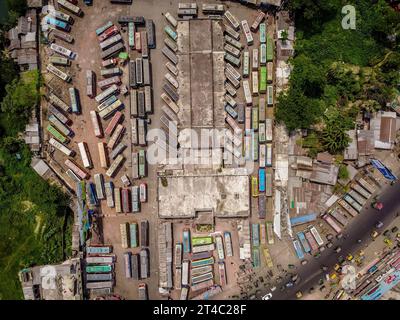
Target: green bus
[(133, 230), (256, 258), (202, 262), (270, 49), (263, 32), (263, 79), (255, 146), (199, 241), (57, 134), (99, 269)]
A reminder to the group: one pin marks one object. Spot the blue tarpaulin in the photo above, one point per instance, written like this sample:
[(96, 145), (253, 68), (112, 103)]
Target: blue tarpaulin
[(383, 169), (303, 219)]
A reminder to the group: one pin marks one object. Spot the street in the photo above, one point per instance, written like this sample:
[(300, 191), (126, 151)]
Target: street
[(360, 228)]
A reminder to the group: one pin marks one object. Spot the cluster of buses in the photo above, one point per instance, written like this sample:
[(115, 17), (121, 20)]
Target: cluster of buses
[(261, 234), (194, 261)]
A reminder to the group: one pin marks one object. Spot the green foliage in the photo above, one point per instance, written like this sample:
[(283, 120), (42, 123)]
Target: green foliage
[(312, 143), (18, 6), (343, 70), (343, 172)]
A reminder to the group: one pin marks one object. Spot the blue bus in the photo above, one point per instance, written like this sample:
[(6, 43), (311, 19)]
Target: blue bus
[(261, 180), (58, 23), (297, 247), (92, 195), (75, 103), (304, 242), (186, 241)]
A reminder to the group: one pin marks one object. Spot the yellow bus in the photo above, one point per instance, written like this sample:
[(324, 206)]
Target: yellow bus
[(254, 186)]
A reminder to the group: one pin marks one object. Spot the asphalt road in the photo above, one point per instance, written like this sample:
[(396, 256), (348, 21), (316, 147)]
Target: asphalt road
[(359, 228)]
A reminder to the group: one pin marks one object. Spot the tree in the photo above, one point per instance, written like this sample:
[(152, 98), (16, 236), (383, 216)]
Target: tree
[(334, 137)]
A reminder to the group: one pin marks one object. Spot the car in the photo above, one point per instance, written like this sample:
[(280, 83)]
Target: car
[(304, 262), (321, 281), (324, 268), (273, 289), (341, 259), (329, 245), (322, 288), (349, 257), (267, 296), (379, 224), (339, 236), (359, 241), (395, 229), (322, 249), (291, 266), (289, 284), (295, 277), (388, 242), (374, 234), (311, 290), (299, 294), (338, 249), (386, 233)]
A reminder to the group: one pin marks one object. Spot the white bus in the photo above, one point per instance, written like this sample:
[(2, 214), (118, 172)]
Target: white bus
[(63, 51), (232, 20), (255, 59), (117, 198), (85, 155), (109, 189), (70, 7), (254, 80), (116, 136), (171, 19), (263, 151), (124, 231), (268, 129), (247, 32), (172, 80), (247, 92), (268, 162), (58, 145), (270, 95), (246, 64), (98, 132), (220, 247), (185, 273), (109, 111), (106, 93)]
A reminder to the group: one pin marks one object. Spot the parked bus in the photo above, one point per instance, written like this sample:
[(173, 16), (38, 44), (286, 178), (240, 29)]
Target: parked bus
[(115, 166), (61, 147), (229, 40), (220, 247), (230, 89), (135, 199), (112, 31), (75, 169), (144, 45), (262, 155), (110, 110), (74, 98), (99, 269), (57, 72), (298, 250), (85, 155), (263, 33), (124, 232), (70, 7), (171, 19), (254, 81), (60, 126), (270, 232), (171, 33), (228, 244), (255, 61), (232, 33), (109, 189), (202, 278), (332, 223), (138, 41), (268, 161), (213, 9), (197, 241), (99, 182), (260, 17), (59, 103), (103, 28), (232, 20), (263, 79), (304, 242), (254, 117), (270, 66), (91, 195), (254, 186), (352, 202), (203, 262), (63, 51), (247, 32), (62, 25), (142, 163), (311, 241), (135, 263), (232, 123), (128, 267), (144, 264), (256, 257), (131, 34), (104, 84), (255, 234), (125, 201), (247, 92), (115, 137), (106, 94), (172, 93), (186, 241), (117, 199), (203, 248), (316, 236), (339, 217), (112, 51), (185, 273), (261, 179), (232, 59), (60, 61), (270, 49), (98, 132), (232, 50), (235, 83), (95, 250), (102, 155), (201, 270)]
